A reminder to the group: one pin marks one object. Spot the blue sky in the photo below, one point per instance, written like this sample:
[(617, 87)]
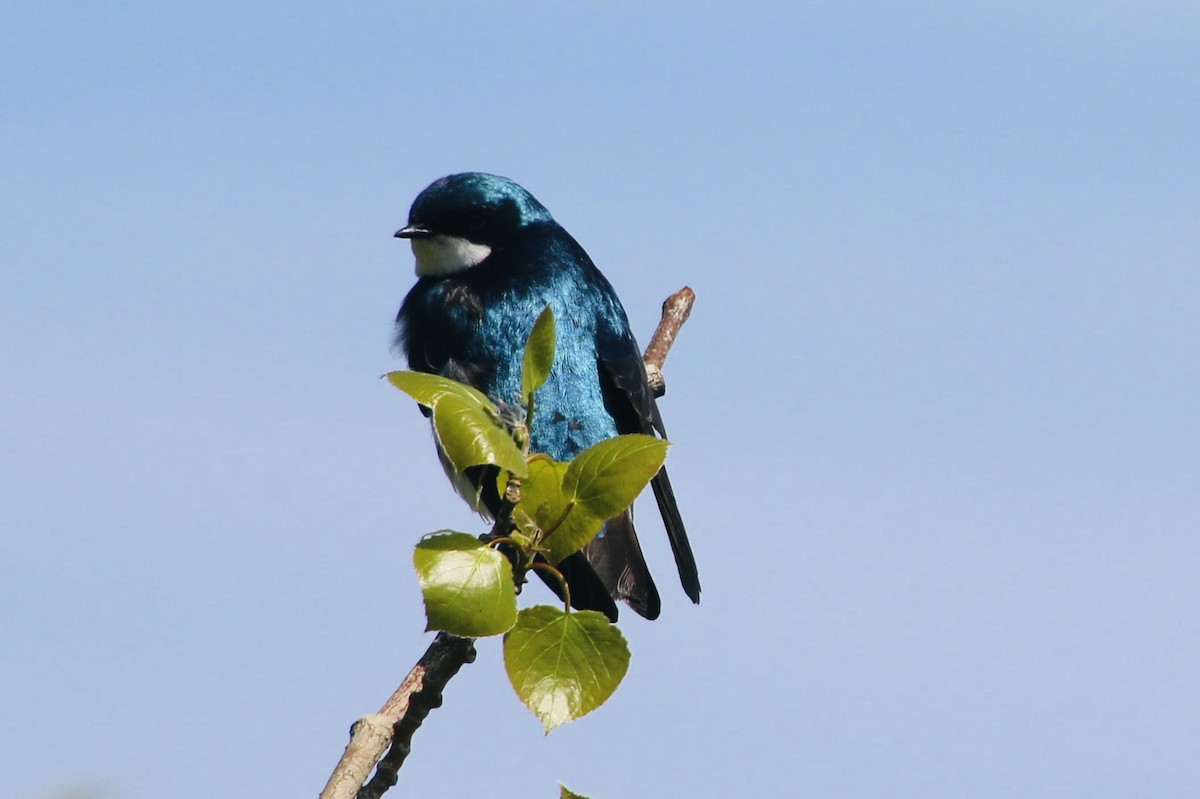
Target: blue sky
[(934, 416)]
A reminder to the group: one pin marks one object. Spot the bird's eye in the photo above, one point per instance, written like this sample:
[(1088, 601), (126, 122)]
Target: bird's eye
[(476, 221)]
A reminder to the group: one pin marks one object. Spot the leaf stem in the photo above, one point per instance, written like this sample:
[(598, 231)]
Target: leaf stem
[(562, 581), (558, 522), (528, 417)]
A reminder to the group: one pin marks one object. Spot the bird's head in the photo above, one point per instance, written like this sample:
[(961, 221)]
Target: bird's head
[(457, 221)]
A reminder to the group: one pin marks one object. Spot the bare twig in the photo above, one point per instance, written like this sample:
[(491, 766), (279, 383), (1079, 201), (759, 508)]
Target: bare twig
[(396, 721), (504, 523), (675, 312), (421, 690), (413, 710)]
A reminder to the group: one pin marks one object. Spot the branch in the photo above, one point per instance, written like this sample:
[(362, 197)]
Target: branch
[(421, 690), (396, 722), (675, 312)]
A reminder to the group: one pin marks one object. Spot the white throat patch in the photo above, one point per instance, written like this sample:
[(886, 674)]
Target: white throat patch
[(445, 255)]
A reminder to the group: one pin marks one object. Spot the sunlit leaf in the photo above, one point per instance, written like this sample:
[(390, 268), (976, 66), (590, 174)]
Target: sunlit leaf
[(469, 436), (600, 483), (564, 665), (574, 531), (607, 477), (467, 586), (428, 389), (541, 491), (566, 793), (539, 354), (566, 525)]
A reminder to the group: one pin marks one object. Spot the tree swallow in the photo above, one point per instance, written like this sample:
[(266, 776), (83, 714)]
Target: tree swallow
[(489, 259)]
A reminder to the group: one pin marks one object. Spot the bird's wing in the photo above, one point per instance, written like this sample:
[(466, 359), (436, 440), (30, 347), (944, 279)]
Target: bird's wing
[(629, 399)]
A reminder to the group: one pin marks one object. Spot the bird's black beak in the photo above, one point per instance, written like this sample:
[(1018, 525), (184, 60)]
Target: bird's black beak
[(413, 232)]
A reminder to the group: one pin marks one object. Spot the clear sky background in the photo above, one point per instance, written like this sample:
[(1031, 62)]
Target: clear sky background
[(936, 420)]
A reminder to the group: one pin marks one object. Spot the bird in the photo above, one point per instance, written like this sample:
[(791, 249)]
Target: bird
[(489, 259)]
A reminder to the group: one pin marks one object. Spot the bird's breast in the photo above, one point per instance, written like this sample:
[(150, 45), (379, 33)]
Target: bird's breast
[(464, 299)]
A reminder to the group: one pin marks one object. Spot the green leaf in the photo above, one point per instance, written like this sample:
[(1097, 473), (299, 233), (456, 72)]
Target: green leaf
[(467, 585), (539, 354), (428, 389), (469, 436), (607, 477), (600, 483), (467, 423), (572, 534), (567, 793), (565, 525), (564, 665), (541, 491)]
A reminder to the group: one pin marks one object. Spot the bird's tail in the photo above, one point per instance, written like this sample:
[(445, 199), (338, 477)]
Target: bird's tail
[(616, 556), (588, 591), (689, 576)]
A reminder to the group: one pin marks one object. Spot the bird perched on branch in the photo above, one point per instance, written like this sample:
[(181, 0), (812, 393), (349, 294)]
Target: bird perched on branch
[(489, 259)]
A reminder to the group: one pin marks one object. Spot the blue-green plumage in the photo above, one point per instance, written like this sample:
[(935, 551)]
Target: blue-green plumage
[(490, 258)]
